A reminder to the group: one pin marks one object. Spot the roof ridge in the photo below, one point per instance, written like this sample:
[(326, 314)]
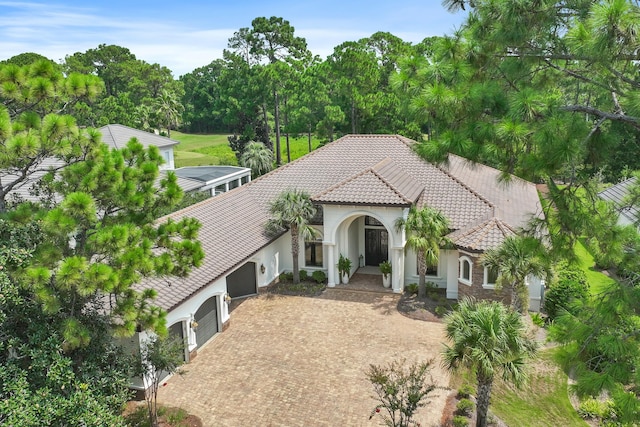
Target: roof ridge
[(391, 186), (343, 182), (459, 181)]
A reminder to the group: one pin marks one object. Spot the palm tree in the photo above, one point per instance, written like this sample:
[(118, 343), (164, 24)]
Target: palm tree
[(426, 229), (168, 108), (515, 259), (293, 209), (487, 338), (258, 158)]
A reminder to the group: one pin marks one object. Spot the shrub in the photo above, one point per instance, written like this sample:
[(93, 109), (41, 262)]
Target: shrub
[(596, 409), (286, 276), (464, 407), (441, 310), (319, 276), (465, 391), (570, 288), (431, 286), (400, 390), (304, 275), (537, 319), (460, 421), (411, 288)]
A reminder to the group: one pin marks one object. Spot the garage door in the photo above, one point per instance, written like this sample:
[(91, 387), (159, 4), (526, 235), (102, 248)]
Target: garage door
[(176, 333), (242, 282), (207, 319)]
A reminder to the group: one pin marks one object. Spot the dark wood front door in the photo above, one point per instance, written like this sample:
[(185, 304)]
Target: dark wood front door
[(376, 242)]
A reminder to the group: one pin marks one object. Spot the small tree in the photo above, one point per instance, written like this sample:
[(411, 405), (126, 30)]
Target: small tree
[(515, 259), (159, 357), (489, 339), (293, 209), (426, 229), (258, 158), (400, 391)]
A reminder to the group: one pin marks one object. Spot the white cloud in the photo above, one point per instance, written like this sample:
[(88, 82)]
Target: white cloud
[(57, 30)]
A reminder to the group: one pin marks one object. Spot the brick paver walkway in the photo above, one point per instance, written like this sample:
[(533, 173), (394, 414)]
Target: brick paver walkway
[(295, 361)]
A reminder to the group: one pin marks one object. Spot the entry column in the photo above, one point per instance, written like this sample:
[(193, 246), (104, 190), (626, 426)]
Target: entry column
[(330, 262), (397, 274)]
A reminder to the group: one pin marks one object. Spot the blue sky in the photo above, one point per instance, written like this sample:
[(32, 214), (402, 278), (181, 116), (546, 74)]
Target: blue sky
[(184, 35)]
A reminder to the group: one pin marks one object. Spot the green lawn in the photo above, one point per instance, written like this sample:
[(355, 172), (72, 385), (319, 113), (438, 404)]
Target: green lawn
[(598, 282), (198, 150), (544, 401), (213, 149)]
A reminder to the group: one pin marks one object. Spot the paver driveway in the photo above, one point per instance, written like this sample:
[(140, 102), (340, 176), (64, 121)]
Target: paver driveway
[(295, 361)]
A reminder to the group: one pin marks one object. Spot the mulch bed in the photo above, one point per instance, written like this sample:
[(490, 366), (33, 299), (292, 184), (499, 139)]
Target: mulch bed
[(306, 288), (425, 308)]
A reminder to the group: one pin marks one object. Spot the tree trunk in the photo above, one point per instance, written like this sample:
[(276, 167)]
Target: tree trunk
[(295, 249), (422, 272), (518, 293), (309, 137), (353, 117), (277, 124), (482, 401), (266, 127), (286, 127)]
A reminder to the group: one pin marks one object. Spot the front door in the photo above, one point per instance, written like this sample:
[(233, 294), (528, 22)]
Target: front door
[(376, 242)]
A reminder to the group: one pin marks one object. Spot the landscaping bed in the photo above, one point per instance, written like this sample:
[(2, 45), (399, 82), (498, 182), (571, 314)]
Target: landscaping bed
[(308, 286), (429, 309)]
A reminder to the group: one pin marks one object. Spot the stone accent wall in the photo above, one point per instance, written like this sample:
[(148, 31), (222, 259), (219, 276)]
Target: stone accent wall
[(476, 290)]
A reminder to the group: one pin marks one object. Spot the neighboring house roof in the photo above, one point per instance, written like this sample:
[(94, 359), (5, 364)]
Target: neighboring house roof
[(117, 136), (487, 234), (206, 174), (23, 191), (187, 184), (233, 223), (617, 195), (382, 185)]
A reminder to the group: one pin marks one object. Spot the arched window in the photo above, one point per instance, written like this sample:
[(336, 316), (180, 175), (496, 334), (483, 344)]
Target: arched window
[(465, 270), (313, 252)]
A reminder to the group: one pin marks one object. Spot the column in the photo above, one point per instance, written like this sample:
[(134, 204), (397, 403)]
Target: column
[(331, 271), (397, 281)]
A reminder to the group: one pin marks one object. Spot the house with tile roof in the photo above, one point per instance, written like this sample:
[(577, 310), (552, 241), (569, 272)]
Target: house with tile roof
[(212, 179), (361, 185)]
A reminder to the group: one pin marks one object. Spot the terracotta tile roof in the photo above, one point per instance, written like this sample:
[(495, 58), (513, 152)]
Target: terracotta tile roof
[(487, 234), (383, 184), (233, 223), (117, 136), (513, 201)]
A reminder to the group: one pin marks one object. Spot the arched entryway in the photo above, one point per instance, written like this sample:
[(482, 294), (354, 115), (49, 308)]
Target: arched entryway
[(366, 236)]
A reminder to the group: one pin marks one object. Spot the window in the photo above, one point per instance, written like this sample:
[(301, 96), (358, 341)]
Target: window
[(490, 277), (465, 270), (369, 220), (431, 270), (244, 180), (313, 252)]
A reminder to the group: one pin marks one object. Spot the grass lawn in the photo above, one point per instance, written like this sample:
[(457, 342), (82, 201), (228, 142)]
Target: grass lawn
[(598, 282), (213, 149), (544, 401), (297, 146), (198, 150)]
